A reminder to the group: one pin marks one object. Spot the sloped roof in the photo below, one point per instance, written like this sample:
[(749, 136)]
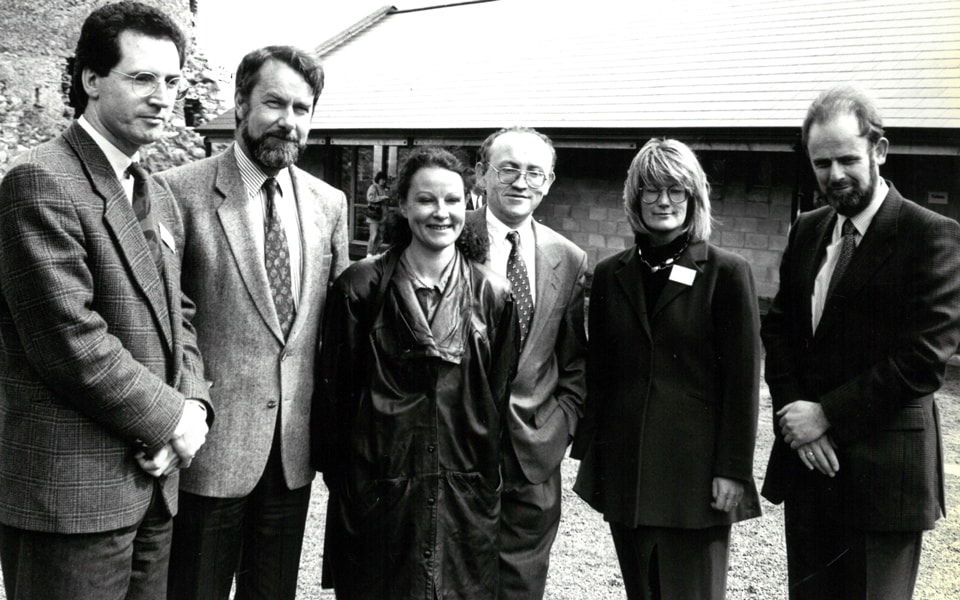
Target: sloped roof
[(618, 65)]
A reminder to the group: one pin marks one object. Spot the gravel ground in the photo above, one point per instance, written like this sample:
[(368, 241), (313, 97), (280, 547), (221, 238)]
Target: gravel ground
[(584, 565)]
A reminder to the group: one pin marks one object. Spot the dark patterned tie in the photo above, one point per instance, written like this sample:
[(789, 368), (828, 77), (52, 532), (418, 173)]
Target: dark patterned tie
[(848, 243), (276, 256), (517, 274), (143, 210)]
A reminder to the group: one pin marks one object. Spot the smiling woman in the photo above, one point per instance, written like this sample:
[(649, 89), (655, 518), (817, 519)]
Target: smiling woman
[(419, 347)]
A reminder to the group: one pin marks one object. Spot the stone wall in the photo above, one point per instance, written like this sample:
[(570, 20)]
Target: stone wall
[(37, 36), (752, 221)]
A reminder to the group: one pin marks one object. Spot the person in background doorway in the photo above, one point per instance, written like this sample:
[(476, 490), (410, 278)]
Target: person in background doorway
[(377, 200)]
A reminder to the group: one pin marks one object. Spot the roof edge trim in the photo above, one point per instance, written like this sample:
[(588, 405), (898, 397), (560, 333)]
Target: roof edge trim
[(352, 31), (447, 5)]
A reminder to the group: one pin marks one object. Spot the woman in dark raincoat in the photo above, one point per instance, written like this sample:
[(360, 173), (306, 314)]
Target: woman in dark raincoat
[(420, 345)]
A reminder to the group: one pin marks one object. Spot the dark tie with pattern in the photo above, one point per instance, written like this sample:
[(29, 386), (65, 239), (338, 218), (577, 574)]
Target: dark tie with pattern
[(276, 256), (517, 274), (848, 243), (143, 210)]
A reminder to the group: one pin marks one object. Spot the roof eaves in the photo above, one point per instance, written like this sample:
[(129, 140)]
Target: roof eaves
[(350, 32)]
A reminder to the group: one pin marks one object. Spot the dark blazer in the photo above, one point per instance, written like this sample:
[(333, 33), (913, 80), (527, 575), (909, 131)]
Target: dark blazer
[(257, 375), (96, 350), (876, 358), (672, 392), (547, 396)]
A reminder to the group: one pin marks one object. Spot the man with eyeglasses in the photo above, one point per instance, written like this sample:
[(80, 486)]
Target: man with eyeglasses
[(102, 393), (547, 272)]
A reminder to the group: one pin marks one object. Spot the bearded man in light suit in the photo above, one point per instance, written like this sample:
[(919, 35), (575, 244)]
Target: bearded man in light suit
[(546, 399), (258, 262)]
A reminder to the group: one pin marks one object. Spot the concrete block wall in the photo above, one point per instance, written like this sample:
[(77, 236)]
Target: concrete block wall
[(751, 222)]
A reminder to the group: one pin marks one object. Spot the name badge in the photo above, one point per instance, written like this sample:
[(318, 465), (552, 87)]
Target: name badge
[(683, 275), (167, 238)]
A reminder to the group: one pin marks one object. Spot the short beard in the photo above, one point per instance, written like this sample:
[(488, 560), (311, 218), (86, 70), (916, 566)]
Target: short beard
[(270, 151), (852, 202)]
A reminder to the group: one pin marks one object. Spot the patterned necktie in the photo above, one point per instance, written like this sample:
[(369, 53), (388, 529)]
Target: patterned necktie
[(517, 274), (276, 258), (143, 210), (848, 243)]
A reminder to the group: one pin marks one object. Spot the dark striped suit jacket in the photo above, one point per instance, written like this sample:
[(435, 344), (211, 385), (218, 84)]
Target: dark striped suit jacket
[(874, 362)]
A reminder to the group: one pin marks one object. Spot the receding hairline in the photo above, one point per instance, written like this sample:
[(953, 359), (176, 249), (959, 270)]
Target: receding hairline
[(552, 151)]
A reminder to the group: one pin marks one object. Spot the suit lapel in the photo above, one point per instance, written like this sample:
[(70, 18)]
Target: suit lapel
[(628, 275), (874, 249), (548, 284), (823, 231), (312, 226), (691, 258), (120, 219), (240, 221)]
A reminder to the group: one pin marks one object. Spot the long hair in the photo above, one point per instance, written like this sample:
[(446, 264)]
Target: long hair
[(663, 163), (473, 242)]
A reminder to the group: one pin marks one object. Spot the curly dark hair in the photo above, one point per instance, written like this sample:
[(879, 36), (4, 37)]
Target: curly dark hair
[(473, 242), (98, 48)]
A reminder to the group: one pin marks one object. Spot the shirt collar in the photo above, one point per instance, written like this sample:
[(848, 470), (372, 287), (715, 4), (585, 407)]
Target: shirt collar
[(498, 230), (116, 157), (253, 176), (863, 219)]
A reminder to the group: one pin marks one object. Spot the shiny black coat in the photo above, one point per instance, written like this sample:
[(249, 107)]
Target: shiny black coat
[(409, 420)]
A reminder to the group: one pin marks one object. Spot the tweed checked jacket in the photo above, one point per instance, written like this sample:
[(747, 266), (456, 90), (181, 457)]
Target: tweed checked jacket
[(96, 350), (257, 375)]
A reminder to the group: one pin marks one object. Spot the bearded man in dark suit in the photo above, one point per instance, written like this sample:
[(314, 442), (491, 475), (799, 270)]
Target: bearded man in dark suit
[(857, 341), (102, 394)]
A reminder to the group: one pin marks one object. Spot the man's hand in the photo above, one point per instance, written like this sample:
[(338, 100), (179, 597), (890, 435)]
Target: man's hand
[(726, 493), (801, 422), (164, 462), (191, 432), (821, 455)]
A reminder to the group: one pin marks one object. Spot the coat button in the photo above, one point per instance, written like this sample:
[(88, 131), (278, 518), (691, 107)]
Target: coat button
[(427, 554), (431, 501), (431, 448), (272, 404)]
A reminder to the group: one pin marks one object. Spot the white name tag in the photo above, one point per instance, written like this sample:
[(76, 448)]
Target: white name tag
[(167, 238), (682, 275)]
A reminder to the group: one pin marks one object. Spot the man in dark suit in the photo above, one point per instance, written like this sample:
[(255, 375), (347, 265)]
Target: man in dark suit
[(857, 341), (102, 395), (259, 280), (546, 399)]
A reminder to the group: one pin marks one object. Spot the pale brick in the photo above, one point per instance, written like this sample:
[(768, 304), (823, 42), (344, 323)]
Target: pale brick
[(756, 240), (731, 239)]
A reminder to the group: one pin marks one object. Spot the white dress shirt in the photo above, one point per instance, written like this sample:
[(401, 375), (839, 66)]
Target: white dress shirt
[(861, 222), (500, 248), (115, 156)]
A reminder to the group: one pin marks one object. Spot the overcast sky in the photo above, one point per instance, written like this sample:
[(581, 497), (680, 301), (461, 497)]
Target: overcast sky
[(228, 29)]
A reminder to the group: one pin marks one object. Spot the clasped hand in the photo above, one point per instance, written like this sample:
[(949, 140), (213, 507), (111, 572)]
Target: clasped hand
[(189, 435)]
